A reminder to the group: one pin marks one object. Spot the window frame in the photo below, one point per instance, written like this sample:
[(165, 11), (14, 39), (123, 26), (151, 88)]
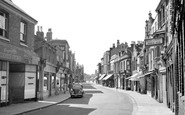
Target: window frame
[(24, 39), (6, 22)]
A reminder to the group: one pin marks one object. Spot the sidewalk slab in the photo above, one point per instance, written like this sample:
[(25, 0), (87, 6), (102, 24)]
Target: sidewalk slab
[(144, 104), (14, 109)]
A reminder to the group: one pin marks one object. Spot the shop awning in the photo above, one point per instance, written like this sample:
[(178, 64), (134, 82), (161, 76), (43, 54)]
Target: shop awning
[(162, 70), (108, 76), (96, 77), (136, 76), (102, 76), (144, 74)]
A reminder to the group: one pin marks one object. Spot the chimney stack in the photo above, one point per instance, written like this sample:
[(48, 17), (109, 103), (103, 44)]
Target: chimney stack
[(132, 43), (118, 43), (126, 45), (49, 35), (40, 33), (113, 46)]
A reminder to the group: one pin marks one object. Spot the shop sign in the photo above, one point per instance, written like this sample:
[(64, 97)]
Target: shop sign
[(10, 54), (154, 41), (13, 53), (171, 16)]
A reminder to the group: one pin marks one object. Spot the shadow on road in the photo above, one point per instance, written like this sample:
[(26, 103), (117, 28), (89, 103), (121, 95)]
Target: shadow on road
[(93, 92), (88, 86), (84, 100), (62, 110)]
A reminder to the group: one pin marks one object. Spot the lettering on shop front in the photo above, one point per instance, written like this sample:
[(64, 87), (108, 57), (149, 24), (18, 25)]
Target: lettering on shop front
[(154, 42), (10, 56), (12, 51)]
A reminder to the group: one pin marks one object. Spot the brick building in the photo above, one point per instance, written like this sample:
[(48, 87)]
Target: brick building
[(18, 62), (47, 65)]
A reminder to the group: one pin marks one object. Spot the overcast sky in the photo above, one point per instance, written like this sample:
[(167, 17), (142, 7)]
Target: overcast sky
[(91, 26)]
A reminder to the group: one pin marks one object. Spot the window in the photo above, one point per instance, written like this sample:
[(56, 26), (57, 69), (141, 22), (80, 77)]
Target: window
[(128, 65), (23, 32), (57, 58), (3, 24), (120, 66), (124, 65), (3, 66)]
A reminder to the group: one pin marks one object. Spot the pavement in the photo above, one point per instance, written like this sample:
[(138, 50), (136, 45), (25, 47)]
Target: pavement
[(21, 108), (142, 104)]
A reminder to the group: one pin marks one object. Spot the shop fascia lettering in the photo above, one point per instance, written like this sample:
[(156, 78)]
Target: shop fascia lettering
[(154, 41)]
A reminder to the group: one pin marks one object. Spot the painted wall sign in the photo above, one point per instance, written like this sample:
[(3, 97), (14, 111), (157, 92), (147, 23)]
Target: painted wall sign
[(14, 53), (154, 41)]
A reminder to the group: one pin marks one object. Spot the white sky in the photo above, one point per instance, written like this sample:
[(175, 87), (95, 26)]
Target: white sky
[(91, 26)]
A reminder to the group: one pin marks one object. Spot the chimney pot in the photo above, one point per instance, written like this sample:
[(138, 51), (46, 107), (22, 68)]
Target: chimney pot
[(41, 28), (38, 28)]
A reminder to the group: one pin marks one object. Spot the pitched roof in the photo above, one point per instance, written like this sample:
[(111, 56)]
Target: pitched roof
[(59, 41), (18, 8)]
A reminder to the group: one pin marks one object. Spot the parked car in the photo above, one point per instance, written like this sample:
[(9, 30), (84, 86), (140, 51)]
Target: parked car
[(77, 90)]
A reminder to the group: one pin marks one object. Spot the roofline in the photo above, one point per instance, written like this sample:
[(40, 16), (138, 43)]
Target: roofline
[(60, 40), (162, 1), (21, 11), (44, 42)]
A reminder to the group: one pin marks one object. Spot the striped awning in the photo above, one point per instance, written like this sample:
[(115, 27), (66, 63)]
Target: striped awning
[(136, 76), (108, 76), (102, 76)]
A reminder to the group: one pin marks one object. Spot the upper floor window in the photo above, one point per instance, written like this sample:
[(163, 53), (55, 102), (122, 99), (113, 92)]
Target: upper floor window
[(23, 32), (161, 16), (121, 65), (3, 24)]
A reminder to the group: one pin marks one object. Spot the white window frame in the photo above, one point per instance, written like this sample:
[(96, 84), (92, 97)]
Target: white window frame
[(23, 31), (3, 24)]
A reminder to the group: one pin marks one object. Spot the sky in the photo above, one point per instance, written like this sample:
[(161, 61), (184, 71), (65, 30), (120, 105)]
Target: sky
[(91, 26)]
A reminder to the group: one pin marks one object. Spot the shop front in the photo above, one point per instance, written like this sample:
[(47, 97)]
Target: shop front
[(109, 80), (18, 74), (49, 80), (145, 82)]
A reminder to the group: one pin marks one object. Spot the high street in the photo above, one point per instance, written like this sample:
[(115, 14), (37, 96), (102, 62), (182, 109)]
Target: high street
[(96, 101)]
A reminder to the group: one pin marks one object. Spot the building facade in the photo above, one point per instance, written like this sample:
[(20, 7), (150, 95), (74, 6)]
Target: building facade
[(18, 62), (47, 65)]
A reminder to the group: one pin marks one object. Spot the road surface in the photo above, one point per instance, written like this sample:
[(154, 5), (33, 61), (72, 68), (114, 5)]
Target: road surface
[(97, 100)]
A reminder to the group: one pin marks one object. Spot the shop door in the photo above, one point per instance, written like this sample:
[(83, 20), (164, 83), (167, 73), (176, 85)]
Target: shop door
[(16, 83), (16, 87)]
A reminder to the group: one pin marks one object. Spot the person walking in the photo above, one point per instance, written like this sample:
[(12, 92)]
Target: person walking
[(70, 86)]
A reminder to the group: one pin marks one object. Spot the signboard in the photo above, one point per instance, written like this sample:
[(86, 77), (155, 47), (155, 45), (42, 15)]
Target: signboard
[(154, 41), (14, 53)]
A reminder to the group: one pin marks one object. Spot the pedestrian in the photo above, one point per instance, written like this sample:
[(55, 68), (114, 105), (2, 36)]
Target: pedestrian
[(70, 86)]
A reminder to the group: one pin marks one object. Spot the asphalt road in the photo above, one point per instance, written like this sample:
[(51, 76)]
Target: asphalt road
[(97, 100)]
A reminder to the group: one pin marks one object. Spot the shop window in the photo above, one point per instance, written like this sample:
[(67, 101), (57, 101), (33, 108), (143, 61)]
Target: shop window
[(3, 65), (3, 24), (46, 83)]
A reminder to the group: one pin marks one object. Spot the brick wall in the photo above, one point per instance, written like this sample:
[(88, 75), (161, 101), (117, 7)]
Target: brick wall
[(14, 19)]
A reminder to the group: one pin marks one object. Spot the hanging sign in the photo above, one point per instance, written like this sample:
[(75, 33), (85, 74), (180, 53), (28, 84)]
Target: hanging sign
[(154, 41)]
